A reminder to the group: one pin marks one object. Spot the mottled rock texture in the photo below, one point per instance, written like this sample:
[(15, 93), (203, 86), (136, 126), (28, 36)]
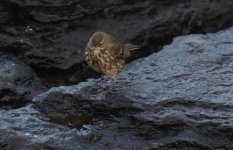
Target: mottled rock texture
[(18, 83), (180, 97)]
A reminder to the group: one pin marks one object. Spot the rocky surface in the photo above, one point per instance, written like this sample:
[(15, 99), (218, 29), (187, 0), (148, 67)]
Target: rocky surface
[(50, 35), (21, 129), (178, 98), (18, 83)]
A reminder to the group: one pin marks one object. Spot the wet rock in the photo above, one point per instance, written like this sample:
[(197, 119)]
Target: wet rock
[(180, 98), (51, 34), (21, 129), (18, 83)]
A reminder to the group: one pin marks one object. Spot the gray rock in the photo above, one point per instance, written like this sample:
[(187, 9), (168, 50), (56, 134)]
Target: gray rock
[(22, 129), (18, 83), (180, 97), (49, 35)]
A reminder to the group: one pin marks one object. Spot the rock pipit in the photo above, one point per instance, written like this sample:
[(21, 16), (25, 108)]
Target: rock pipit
[(107, 55)]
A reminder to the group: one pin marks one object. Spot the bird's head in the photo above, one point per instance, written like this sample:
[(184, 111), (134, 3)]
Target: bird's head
[(97, 39)]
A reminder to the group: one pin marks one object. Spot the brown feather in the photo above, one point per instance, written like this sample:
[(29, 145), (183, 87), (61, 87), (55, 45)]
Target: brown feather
[(105, 54)]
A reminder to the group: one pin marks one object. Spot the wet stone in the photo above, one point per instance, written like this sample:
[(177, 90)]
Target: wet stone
[(184, 103), (18, 84), (50, 35)]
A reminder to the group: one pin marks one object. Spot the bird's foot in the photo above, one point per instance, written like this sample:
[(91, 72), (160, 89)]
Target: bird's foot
[(95, 80), (108, 90), (103, 79)]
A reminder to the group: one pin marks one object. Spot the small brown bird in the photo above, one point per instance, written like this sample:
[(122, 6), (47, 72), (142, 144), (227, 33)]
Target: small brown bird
[(106, 55)]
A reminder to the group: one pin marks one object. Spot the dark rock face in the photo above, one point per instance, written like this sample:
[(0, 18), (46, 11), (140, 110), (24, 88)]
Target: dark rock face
[(179, 98), (18, 83), (21, 129), (50, 35)]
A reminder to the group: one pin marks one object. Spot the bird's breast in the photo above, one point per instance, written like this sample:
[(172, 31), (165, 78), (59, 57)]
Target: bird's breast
[(92, 61), (103, 60), (109, 64)]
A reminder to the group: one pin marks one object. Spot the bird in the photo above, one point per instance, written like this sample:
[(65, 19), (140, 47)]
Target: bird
[(107, 55)]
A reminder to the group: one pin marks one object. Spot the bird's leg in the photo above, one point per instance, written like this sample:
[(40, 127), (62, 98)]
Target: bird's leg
[(102, 79), (104, 82), (99, 80), (109, 88)]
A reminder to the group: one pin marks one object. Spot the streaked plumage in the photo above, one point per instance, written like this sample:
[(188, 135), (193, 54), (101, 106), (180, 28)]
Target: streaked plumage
[(106, 55)]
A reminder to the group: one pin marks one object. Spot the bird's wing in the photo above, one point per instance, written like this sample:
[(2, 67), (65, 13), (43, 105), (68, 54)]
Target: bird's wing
[(123, 50)]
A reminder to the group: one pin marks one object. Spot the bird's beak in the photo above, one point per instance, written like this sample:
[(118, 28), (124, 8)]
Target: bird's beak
[(99, 48), (102, 42)]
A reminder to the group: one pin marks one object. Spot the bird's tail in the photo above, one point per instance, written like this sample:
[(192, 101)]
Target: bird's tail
[(125, 50), (132, 47)]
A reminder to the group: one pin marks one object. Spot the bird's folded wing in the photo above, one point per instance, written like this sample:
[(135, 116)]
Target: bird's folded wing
[(123, 51)]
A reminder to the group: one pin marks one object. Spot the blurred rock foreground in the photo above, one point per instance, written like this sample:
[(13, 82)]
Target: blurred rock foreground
[(177, 98), (49, 35)]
